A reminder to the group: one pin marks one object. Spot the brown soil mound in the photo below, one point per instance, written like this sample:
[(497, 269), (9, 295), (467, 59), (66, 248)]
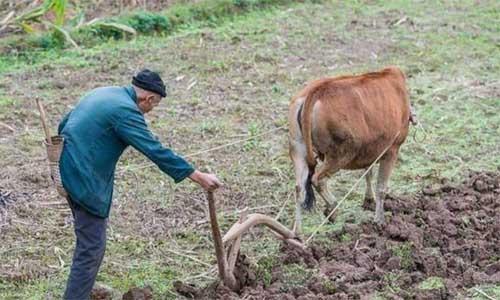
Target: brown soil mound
[(139, 294), (451, 233), (101, 293), (244, 274)]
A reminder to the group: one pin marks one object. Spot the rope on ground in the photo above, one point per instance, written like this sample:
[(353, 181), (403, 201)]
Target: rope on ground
[(148, 165), (189, 257), (421, 127), (350, 191), (283, 206)]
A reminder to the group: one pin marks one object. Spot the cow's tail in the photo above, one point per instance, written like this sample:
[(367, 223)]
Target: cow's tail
[(310, 198), (306, 121)]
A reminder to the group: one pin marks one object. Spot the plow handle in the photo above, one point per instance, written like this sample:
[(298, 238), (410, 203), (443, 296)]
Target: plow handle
[(225, 273)]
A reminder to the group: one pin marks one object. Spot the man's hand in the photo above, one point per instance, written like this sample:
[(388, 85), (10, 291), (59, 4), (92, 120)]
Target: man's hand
[(207, 181)]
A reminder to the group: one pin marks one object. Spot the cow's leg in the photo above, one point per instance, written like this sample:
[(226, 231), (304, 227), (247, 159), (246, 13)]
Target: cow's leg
[(369, 194), (329, 167), (322, 189), (385, 169), (298, 155)]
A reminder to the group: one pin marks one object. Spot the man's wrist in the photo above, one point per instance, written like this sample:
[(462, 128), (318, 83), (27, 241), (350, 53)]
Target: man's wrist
[(195, 175)]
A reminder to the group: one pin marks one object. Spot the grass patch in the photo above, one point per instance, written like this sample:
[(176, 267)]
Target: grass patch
[(157, 275), (392, 284), (295, 275), (432, 283), (404, 252), (264, 268), (5, 101)]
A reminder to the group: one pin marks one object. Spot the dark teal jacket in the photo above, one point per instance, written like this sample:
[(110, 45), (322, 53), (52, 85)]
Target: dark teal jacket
[(96, 132)]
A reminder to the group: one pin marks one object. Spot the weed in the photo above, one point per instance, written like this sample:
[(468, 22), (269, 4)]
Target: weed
[(432, 283), (391, 280), (295, 275), (147, 22), (346, 237), (404, 252), (253, 130), (6, 101), (329, 286), (264, 268)]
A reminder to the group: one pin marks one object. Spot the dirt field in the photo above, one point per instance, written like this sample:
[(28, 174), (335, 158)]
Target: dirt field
[(438, 243), (233, 82)]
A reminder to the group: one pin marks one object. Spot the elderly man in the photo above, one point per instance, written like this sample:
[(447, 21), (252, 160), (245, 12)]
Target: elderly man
[(105, 122)]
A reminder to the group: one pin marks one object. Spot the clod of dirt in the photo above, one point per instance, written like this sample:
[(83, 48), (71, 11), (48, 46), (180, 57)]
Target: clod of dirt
[(394, 263), (136, 293), (185, 289), (291, 254), (243, 272), (101, 293)]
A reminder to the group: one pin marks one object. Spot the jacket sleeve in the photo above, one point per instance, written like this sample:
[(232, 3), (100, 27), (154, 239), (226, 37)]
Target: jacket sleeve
[(63, 122), (133, 130)]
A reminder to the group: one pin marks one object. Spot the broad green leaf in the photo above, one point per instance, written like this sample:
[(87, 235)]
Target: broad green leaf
[(119, 26)]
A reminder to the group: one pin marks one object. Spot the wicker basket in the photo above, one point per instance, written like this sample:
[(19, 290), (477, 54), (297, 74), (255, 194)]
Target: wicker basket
[(54, 150)]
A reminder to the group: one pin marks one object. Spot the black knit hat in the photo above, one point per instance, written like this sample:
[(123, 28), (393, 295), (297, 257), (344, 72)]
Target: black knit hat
[(150, 81)]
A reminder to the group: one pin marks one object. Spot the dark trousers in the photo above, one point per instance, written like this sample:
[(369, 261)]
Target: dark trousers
[(90, 234)]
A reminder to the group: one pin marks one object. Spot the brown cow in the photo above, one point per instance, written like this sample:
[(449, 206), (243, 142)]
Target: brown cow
[(346, 122)]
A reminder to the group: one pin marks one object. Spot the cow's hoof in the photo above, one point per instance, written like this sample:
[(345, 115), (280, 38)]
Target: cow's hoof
[(369, 204)]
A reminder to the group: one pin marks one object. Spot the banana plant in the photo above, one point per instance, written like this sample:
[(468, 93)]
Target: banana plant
[(34, 15), (59, 7)]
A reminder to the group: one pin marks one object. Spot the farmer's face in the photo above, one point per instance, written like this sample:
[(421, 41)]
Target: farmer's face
[(149, 102)]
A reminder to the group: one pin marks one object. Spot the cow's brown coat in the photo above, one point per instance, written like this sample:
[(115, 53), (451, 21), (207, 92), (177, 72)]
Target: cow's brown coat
[(346, 123)]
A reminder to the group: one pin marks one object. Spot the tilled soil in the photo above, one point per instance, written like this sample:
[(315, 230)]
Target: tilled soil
[(448, 234)]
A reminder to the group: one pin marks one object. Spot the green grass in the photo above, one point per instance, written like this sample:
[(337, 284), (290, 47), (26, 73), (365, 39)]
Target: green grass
[(295, 276), (264, 268), (246, 67), (6, 102), (432, 283), (404, 252)]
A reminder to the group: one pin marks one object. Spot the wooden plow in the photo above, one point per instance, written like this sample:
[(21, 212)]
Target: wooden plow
[(227, 248)]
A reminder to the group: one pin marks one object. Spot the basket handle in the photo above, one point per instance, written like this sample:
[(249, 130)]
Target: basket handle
[(44, 120)]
